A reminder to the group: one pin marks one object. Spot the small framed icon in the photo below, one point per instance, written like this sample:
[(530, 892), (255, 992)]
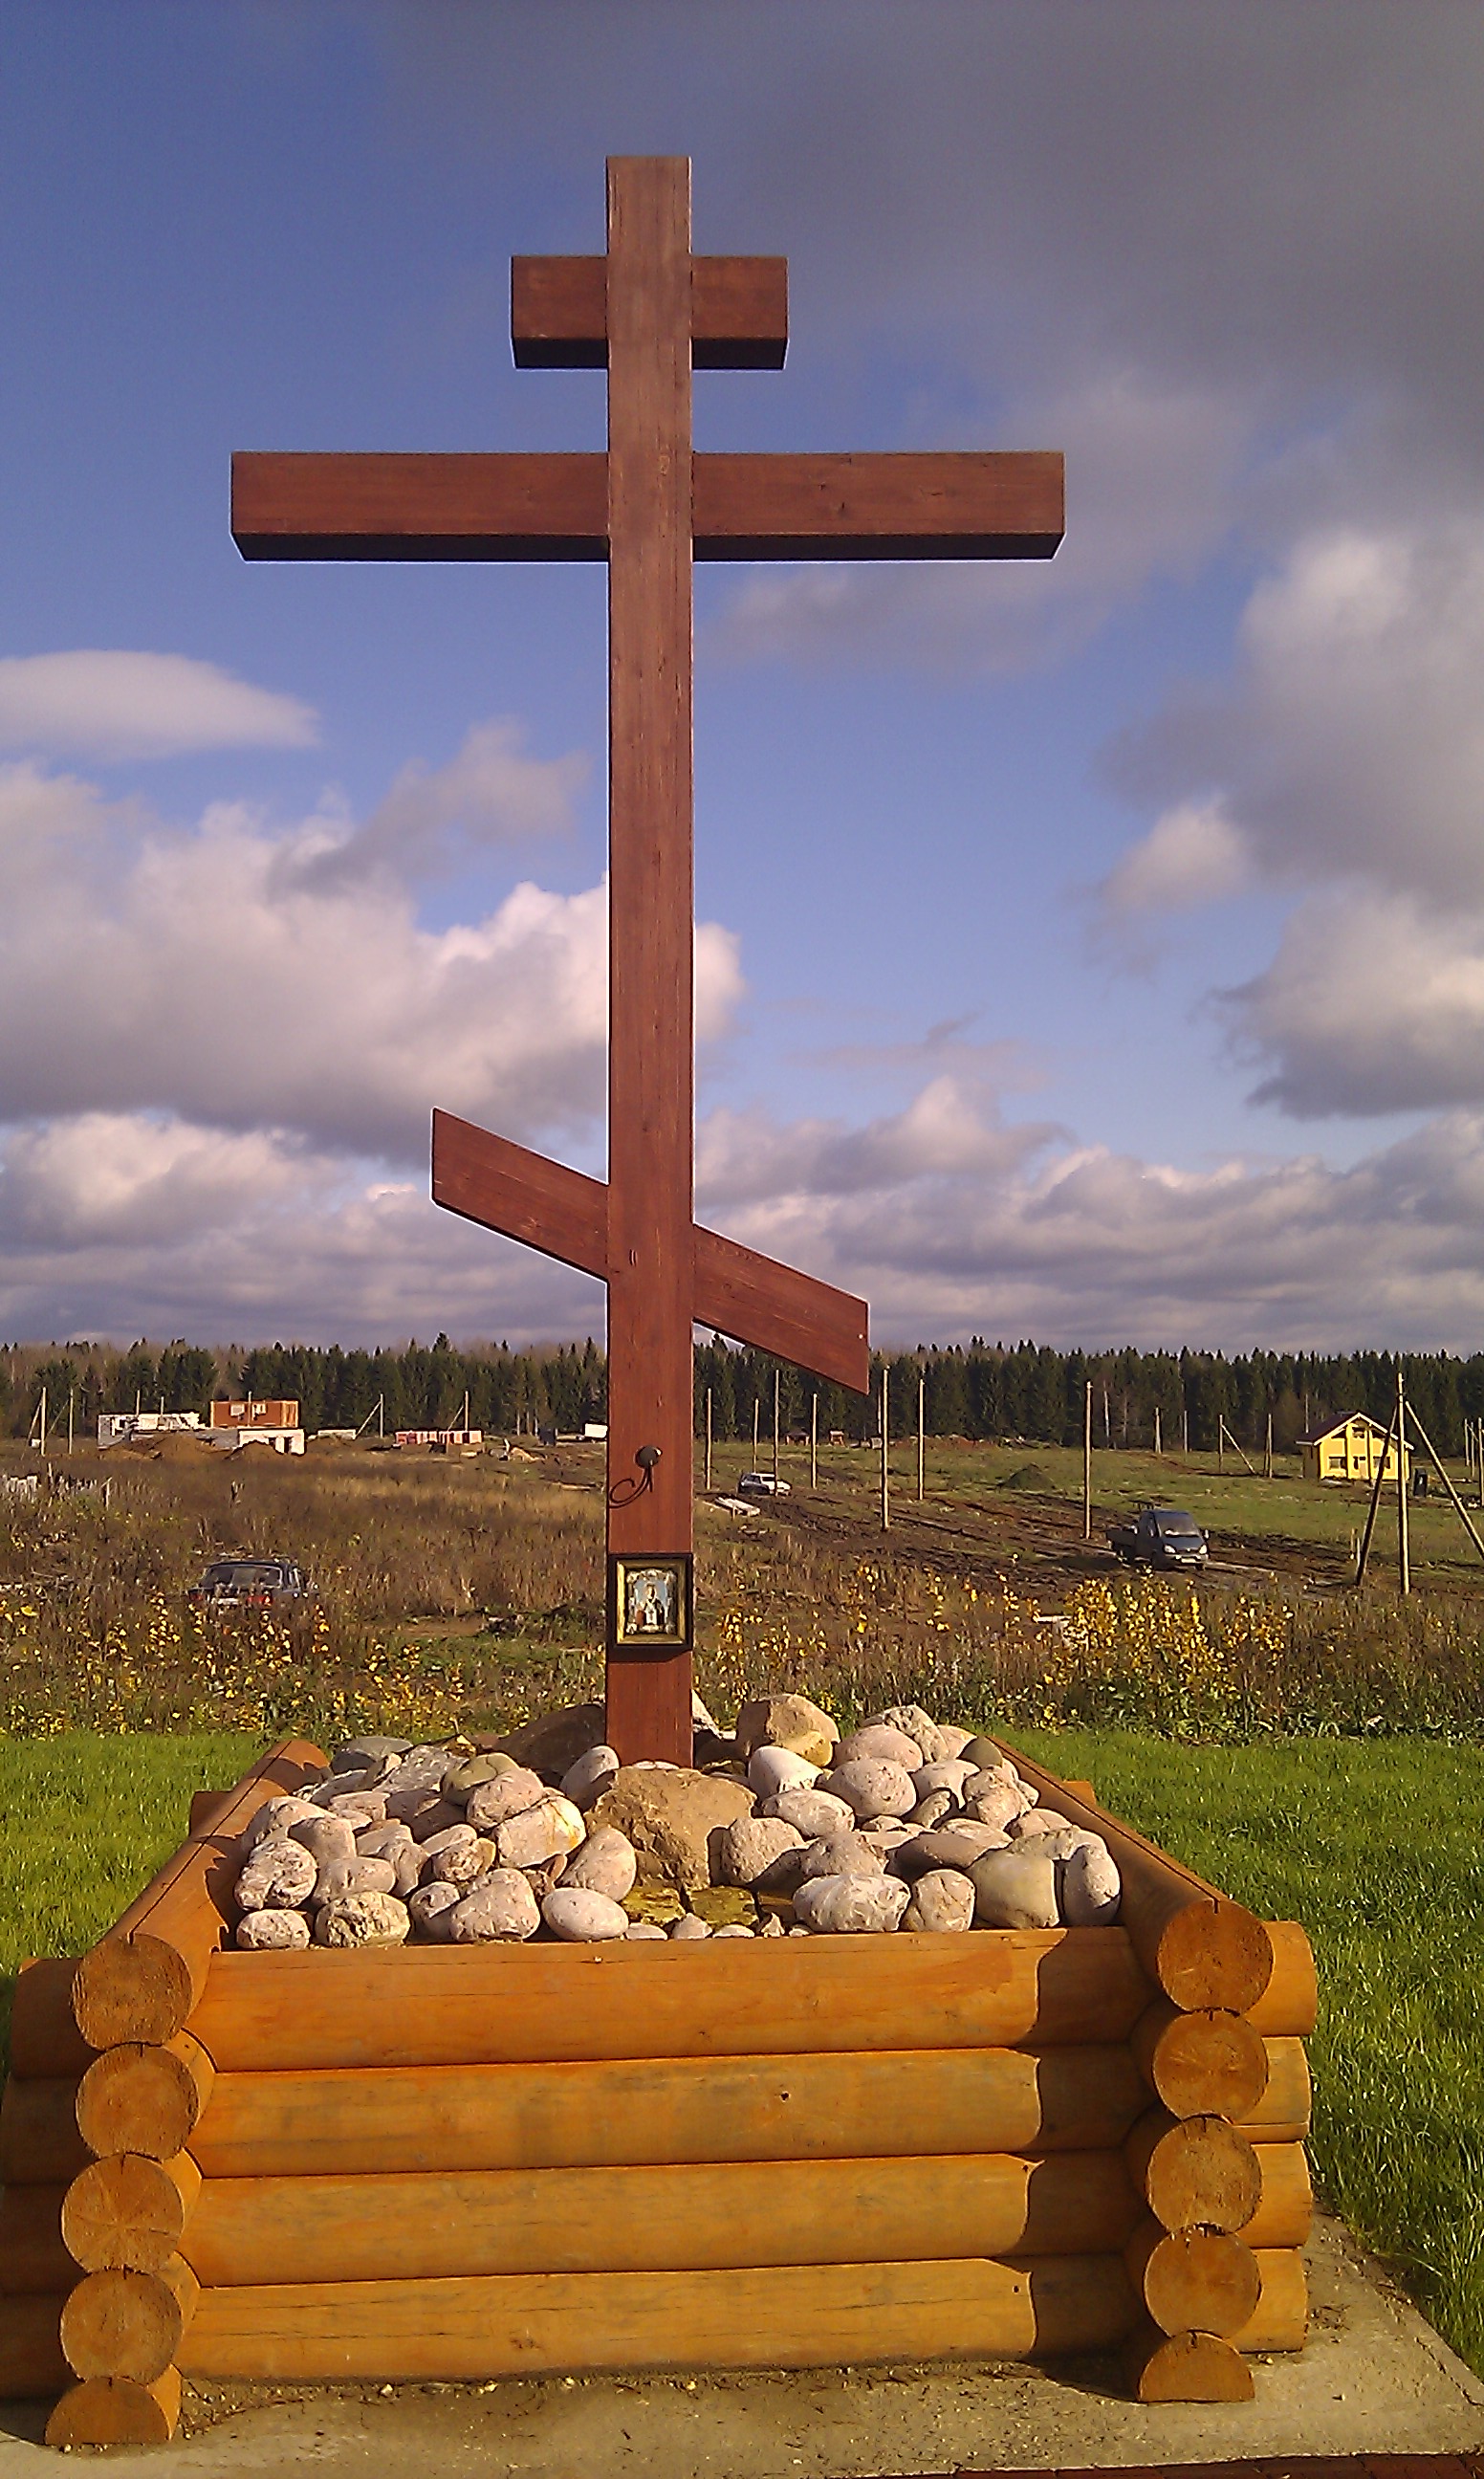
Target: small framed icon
[(650, 1603)]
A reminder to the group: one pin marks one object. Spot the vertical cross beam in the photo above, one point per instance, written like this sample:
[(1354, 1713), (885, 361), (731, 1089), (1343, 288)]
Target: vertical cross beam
[(650, 910)]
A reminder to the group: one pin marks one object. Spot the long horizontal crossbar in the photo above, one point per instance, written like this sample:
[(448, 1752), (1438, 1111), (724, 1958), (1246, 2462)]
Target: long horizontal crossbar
[(990, 505), (564, 1214), (559, 312)]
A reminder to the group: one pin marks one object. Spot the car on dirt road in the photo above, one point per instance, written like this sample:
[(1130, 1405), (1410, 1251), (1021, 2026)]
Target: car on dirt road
[(250, 1584), (1160, 1535)]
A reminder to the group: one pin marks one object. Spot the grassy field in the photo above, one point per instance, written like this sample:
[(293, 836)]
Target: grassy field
[(1378, 1848)]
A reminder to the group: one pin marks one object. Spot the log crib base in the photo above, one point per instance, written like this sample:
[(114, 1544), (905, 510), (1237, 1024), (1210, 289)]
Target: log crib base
[(464, 2163)]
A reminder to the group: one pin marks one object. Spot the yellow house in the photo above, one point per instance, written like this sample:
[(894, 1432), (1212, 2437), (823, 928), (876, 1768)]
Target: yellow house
[(1351, 1450)]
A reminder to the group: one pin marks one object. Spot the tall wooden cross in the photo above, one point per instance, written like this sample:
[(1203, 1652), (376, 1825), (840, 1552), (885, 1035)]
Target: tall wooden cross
[(649, 313)]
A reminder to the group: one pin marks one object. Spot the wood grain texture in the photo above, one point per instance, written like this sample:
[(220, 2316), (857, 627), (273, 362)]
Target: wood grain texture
[(1200, 1949), (44, 2037), (141, 1981), (651, 919), (694, 2109), (1280, 2319), (32, 2365), (1290, 2003), (145, 2097), (505, 1187), (128, 2323), (1186, 2367), (1284, 2215), (40, 2144), (33, 2256), (1283, 2114), (524, 2004), (1195, 2172), (128, 2215), (1206, 2064), (546, 2324), (1203, 2279), (112, 2409), (982, 505), (733, 2217), (509, 506), (559, 312)]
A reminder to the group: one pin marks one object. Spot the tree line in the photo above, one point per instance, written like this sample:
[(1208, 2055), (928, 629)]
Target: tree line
[(979, 1390)]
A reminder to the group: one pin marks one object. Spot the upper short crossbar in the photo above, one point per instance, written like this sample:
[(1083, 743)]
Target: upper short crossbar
[(559, 312)]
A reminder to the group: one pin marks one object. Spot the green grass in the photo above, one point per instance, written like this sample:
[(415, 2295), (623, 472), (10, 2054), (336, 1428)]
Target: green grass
[(85, 1821), (1376, 1847)]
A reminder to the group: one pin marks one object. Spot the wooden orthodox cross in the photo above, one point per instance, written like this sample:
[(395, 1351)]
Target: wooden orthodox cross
[(649, 313)]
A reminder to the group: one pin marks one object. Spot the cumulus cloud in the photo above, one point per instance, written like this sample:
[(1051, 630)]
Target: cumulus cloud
[(116, 704), (491, 793), (1191, 856), (142, 968)]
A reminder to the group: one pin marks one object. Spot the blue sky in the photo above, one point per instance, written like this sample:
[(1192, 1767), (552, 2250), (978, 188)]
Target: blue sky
[(1094, 952)]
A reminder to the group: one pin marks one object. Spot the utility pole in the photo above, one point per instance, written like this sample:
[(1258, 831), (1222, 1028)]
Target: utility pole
[(1107, 1421), (40, 1422), (1403, 1545), (922, 1389), (709, 1438), (1086, 1463), (71, 1400), (814, 1443), (1185, 1428), (1157, 1429), (776, 1380), (1268, 1456), (757, 1417), (885, 1483)]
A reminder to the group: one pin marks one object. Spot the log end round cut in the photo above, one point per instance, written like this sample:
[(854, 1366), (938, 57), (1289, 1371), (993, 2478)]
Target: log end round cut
[(1214, 1955), (132, 1988)]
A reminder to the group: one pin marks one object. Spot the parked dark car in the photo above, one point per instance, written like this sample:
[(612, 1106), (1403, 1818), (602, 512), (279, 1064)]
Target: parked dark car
[(250, 1584), (1161, 1536)]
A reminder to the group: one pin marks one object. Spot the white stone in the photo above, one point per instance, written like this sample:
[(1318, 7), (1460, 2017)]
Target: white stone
[(545, 1831), (991, 1802), (500, 1910), (955, 1740), (428, 1907), (734, 1930), (585, 1781), (878, 1743), (605, 1864), (361, 1919), (464, 1864), (1032, 1821), (942, 1903), (279, 1875), (686, 1928), (1091, 1888), (1014, 1889), (950, 1775), (851, 1905), (840, 1855), (747, 1848), (771, 1770), (274, 1817), (493, 1803), (915, 1724), (644, 1932), (583, 1918), (272, 1932), (873, 1786), (812, 1812)]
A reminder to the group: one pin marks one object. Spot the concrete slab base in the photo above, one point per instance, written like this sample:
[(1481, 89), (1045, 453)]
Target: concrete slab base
[(1374, 2379)]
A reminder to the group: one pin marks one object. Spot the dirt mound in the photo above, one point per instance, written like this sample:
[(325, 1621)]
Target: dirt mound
[(1029, 1476)]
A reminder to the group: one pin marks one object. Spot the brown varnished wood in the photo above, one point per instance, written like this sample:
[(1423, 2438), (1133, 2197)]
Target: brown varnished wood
[(524, 1195), (545, 2323), (40, 2144), (453, 2006), (414, 506), (1286, 2214), (650, 917), (127, 2213), (732, 2215), (631, 2113), (559, 312), (32, 2365), (1281, 2114), (1291, 2001), (1280, 2319), (33, 2254), (145, 2097), (978, 504), (1206, 2064), (1195, 2172), (1186, 2367), (1204, 2279), (128, 2323)]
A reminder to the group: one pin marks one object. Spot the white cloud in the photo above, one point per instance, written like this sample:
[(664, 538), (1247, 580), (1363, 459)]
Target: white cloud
[(1191, 856), (491, 793), (197, 973), (115, 705)]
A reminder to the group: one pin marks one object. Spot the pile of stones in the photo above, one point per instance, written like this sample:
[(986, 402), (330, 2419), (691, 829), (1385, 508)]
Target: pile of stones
[(781, 1827)]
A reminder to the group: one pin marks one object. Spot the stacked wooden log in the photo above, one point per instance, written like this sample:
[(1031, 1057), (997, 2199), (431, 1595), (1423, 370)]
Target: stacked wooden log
[(438, 2161), (1217, 2158)]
